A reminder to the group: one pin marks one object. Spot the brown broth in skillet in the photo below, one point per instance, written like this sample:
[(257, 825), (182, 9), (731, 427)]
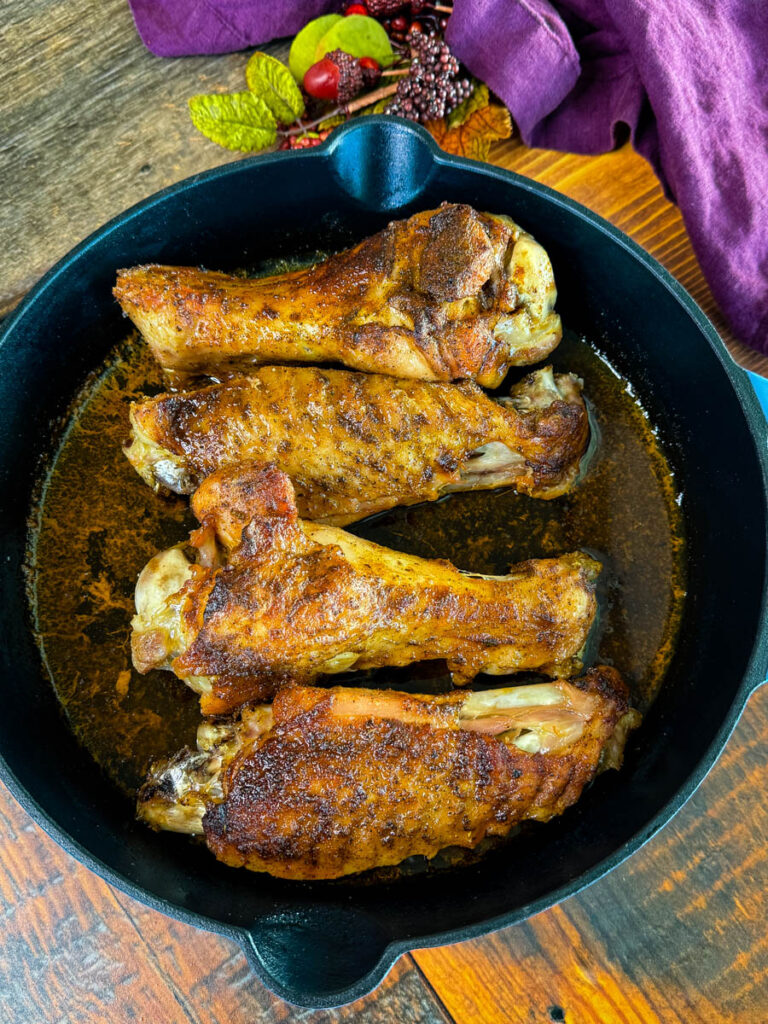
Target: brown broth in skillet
[(96, 524)]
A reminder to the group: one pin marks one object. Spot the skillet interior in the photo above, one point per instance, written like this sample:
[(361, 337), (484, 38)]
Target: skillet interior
[(321, 944)]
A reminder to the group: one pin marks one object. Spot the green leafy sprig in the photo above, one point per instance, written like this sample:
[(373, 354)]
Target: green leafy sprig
[(248, 121), (271, 111), (236, 120)]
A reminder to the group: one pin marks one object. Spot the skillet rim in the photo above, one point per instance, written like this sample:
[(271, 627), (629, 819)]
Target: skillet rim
[(757, 666)]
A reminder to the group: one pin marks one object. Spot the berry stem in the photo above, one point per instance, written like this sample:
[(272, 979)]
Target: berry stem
[(368, 99), (350, 108), (288, 132), (391, 72)]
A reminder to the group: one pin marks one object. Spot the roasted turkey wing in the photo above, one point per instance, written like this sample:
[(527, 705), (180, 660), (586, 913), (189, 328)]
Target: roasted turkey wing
[(358, 443), (328, 782)]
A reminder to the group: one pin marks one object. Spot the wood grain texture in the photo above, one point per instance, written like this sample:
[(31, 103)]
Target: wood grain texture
[(74, 950), (91, 124), (676, 935)]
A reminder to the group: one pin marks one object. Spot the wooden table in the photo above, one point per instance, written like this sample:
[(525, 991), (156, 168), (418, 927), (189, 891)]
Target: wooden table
[(92, 123)]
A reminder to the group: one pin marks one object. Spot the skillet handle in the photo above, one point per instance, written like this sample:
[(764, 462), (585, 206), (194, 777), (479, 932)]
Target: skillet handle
[(383, 162), (319, 956), (760, 387)]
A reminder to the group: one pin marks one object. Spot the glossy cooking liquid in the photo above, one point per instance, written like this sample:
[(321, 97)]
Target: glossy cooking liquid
[(97, 524)]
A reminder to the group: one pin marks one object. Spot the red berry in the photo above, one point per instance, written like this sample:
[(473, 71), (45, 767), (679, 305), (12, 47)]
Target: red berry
[(356, 9), (416, 26), (400, 24), (322, 80), (307, 141), (371, 70)]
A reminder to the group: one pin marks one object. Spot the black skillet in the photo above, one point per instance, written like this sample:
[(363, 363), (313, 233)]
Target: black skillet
[(319, 944)]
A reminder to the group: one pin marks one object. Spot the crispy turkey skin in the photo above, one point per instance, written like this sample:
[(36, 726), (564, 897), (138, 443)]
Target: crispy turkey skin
[(447, 294), (329, 782), (270, 598), (358, 443)]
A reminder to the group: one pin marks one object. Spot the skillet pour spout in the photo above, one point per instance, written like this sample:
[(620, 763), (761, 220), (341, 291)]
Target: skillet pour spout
[(320, 956), (322, 944)]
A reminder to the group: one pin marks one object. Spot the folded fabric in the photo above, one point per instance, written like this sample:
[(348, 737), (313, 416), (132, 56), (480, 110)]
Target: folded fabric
[(689, 79), (180, 28)]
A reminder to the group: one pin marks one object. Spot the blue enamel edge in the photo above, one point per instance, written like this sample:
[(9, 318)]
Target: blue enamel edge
[(760, 387)]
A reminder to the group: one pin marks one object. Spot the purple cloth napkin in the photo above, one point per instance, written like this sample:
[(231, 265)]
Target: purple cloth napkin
[(689, 78)]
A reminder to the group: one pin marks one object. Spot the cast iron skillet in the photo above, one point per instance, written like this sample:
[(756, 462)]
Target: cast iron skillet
[(321, 944)]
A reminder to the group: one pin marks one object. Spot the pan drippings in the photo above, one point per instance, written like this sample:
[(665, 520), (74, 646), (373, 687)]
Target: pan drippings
[(98, 523)]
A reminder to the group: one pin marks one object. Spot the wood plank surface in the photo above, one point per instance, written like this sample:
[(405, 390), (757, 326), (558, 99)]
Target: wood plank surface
[(676, 935), (73, 950), (89, 124)]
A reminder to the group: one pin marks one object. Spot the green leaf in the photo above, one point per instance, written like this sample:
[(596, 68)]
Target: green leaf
[(358, 35), (302, 55), (236, 120), (380, 107), (272, 82), (332, 122), (477, 99)]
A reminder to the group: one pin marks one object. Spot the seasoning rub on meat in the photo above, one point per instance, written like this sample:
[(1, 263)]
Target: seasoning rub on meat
[(358, 443), (263, 598), (447, 294), (327, 782)]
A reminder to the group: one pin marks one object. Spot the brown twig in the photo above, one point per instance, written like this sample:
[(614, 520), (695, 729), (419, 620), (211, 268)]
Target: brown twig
[(302, 128), (358, 104), (369, 98)]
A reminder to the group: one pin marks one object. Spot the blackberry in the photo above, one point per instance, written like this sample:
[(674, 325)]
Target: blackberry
[(371, 71), (337, 77), (351, 75)]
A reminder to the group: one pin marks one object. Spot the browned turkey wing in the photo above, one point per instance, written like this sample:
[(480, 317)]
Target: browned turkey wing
[(330, 782)]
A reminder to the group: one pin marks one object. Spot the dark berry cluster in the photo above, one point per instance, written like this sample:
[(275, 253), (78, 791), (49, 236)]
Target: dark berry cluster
[(431, 89), (383, 8)]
